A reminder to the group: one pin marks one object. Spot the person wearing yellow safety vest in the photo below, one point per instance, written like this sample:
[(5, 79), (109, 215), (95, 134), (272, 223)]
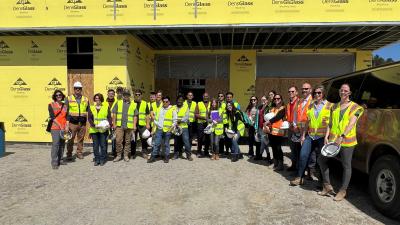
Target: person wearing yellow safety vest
[(235, 124), (155, 107), (222, 106), (192, 118), (77, 108), (275, 133), (201, 112), (228, 99), (312, 137), (215, 118), (152, 99), (98, 113), (111, 103), (125, 116), (143, 123), (182, 111), (165, 120), (342, 130)]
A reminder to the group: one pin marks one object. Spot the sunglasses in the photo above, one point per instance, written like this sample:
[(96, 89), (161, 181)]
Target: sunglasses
[(77, 88), (305, 88), (253, 100), (220, 96), (166, 101), (291, 91), (58, 95), (138, 94), (317, 93), (277, 98)]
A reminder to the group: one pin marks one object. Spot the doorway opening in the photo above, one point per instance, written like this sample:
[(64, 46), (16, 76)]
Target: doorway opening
[(197, 86)]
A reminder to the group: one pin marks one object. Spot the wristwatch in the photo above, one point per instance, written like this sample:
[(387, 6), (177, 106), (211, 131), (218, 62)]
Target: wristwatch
[(343, 136)]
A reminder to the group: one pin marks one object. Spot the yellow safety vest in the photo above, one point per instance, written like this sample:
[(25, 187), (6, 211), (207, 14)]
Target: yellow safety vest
[(219, 128), (318, 126), (75, 109), (98, 117), (182, 113), (192, 110), (167, 119), (339, 126), (240, 126), (203, 111), (142, 113), (130, 114), (225, 116)]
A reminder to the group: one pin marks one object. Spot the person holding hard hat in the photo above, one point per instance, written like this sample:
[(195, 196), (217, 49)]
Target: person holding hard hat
[(78, 107), (183, 114), (143, 123), (203, 139), (192, 119), (312, 138), (235, 129), (342, 130)]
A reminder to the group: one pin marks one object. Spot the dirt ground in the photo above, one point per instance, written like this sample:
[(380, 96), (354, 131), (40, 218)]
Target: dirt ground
[(181, 192)]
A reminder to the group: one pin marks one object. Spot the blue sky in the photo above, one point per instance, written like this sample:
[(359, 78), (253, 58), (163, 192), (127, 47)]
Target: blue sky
[(390, 51)]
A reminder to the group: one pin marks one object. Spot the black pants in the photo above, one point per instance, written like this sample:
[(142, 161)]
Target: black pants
[(276, 145), (138, 132), (227, 142), (192, 131), (202, 139), (252, 142)]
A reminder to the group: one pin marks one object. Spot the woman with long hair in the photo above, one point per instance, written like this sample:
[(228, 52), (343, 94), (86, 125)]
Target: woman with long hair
[(58, 114), (276, 134), (262, 109), (235, 124), (251, 112), (218, 127)]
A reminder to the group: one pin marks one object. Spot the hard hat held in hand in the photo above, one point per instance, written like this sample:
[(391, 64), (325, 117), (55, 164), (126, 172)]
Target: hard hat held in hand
[(208, 129), (146, 134), (150, 141), (285, 125), (78, 84), (268, 116), (230, 133)]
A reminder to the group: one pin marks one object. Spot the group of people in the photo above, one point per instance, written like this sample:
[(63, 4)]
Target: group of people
[(308, 121)]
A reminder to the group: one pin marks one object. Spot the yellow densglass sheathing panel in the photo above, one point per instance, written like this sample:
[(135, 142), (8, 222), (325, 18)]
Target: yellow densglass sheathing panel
[(61, 13), (363, 60), (242, 75)]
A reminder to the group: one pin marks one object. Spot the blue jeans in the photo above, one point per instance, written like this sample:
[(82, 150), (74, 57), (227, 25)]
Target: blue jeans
[(309, 146), (161, 137), (235, 144), (186, 142), (99, 146), (263, 145)]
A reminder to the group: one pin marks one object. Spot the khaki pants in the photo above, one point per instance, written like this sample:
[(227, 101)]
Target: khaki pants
[(78, 131), (122, 134)]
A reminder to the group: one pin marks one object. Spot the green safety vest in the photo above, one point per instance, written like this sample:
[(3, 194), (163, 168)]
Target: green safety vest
[(142, 113), (181, 112), (225, 116), (318, 126), (167, 119), (240, 126), (130, 114), (338, 126), (98, 117), (203, 111), (75, 109), (192, 110)]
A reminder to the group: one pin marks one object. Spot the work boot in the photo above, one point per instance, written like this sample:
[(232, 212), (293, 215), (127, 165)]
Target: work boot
[(212, 157), (340, 195), (126, 158), (189, 157), (166, 160), (327, 190), (275, 163), (117, 158), (55, 167), (296, 181), (216, 156), (151, 159), (234, 158), (176, 156), (280, 166), (63, 162), (144, 155)]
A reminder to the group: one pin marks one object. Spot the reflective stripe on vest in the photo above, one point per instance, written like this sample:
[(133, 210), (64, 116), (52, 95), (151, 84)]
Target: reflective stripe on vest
[(224, 115), (276, 127), (192, 110), (338, 127), (130, 114), (75, 109), (142, 113), (167, 124), (98, 117), (318, 126), (240, 126), (182, 113), (302, 112), (203, 111)]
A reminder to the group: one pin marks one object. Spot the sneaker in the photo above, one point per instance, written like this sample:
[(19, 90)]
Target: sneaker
[(96, 163), (175, 157), (166, 160), (126, 159), (327, 190), (296, 181), (340, 195), (63, 162), (54, 167), (189, 157), (151, 159), (102, 163), (144, 155), (116, 159)]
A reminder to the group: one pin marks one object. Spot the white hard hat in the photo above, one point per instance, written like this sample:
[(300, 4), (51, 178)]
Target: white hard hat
[(285, 125), (146, 134), (209, 129), (230, 133), (77, 84), (269, 116), (256, 137), (330, 150), (150, 142)]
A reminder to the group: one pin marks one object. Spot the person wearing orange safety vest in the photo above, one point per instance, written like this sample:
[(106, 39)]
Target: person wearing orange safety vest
[(78, 107), (293, 137), (312, 138), (342, 130), (275, 133)]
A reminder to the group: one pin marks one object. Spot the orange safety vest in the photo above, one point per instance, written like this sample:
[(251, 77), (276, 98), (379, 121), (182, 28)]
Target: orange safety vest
[(290, 113), (276, 126), (61, 118), (302, 113)]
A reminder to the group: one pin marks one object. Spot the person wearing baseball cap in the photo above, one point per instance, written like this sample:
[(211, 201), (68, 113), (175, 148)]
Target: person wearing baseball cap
[(77, 111)]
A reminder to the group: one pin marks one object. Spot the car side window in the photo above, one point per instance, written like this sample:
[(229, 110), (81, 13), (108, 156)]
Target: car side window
[(381, 91), (355, 83)]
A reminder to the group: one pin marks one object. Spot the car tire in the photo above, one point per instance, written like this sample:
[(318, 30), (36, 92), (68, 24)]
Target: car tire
[(384, 185)]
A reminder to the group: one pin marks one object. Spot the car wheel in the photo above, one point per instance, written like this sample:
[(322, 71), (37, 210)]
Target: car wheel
[(384, 185)]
